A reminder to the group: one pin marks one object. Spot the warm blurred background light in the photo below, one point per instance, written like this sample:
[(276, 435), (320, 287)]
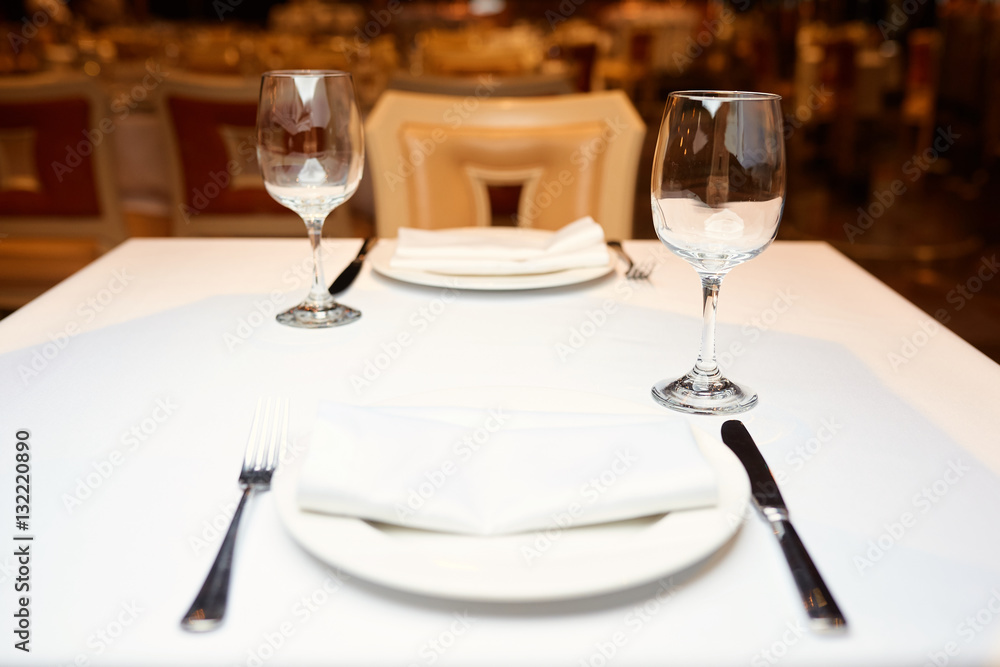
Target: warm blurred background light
[(892, 109)]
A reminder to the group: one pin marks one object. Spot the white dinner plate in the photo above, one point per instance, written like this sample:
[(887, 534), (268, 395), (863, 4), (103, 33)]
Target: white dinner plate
[(382, 253), (529, 567)]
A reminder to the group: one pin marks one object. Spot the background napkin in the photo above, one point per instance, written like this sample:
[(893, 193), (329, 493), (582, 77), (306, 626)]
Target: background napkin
[(496, 251), (489, 472)]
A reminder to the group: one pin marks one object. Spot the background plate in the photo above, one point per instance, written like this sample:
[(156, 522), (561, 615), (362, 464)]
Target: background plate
[(382, 253)]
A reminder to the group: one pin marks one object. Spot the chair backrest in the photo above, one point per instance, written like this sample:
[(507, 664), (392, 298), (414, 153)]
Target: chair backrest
[(527, 85), (56, 170), (434, 159), (216, 188)]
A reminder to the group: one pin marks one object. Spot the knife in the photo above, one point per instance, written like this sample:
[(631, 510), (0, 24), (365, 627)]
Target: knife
[(824, 614), (347, 276)]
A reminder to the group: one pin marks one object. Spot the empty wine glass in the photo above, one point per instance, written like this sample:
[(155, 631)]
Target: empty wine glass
[(310, 146), (718, 189)]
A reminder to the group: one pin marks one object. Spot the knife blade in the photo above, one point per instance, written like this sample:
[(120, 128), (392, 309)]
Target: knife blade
[(347, 276), (824, 614)]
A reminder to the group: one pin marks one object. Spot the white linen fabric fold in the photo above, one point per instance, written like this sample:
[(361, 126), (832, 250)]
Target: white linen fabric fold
[(489, 472), (498, 251)]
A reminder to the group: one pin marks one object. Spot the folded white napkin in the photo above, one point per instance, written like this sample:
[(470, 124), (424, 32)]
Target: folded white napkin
[(499, 251), (489, 472)]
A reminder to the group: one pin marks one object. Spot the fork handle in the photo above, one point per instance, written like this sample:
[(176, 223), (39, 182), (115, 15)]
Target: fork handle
[(209, 606)]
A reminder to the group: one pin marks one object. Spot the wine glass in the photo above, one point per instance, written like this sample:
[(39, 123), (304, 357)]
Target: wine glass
[(718, 189), (310, 146)]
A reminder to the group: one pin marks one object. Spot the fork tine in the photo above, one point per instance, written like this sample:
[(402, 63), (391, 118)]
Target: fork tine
[(280, 432), (249, 454), (644, 270), (260, 447)]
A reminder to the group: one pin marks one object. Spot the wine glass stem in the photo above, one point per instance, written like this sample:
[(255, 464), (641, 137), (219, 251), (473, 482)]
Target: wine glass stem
[(706, 366), (319, 296)]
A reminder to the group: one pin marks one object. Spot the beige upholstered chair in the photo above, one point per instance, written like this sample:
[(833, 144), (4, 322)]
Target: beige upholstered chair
[(434, 160), (528, 85), (58, 201)]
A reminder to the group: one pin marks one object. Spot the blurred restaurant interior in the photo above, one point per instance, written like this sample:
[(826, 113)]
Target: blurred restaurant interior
[(892, 116)]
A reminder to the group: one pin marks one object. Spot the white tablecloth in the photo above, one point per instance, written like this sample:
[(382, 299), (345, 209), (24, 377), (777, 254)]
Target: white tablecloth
[(143, 369)]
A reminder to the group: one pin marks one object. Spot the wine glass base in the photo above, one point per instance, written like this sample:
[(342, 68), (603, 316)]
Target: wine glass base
[(693, 395), (305, 316)]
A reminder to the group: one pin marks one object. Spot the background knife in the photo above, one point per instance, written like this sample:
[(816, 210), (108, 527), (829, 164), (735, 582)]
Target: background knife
[(824, 614), (347, 276)]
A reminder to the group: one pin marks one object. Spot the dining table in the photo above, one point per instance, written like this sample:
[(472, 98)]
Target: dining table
[(128, 391)]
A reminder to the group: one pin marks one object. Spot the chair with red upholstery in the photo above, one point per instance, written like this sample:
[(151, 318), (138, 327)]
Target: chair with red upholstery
[(216, 188), (58, 201)]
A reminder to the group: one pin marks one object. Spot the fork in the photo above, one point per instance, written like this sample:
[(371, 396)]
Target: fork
[(268, 437), (632, 271), (641, 271)]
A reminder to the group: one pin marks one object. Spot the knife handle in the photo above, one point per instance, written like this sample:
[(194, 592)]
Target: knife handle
[(824, 614)]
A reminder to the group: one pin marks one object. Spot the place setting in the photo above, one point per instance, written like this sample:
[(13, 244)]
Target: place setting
[(496, 407), (496, 258), (521, 494), (305, 110)]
